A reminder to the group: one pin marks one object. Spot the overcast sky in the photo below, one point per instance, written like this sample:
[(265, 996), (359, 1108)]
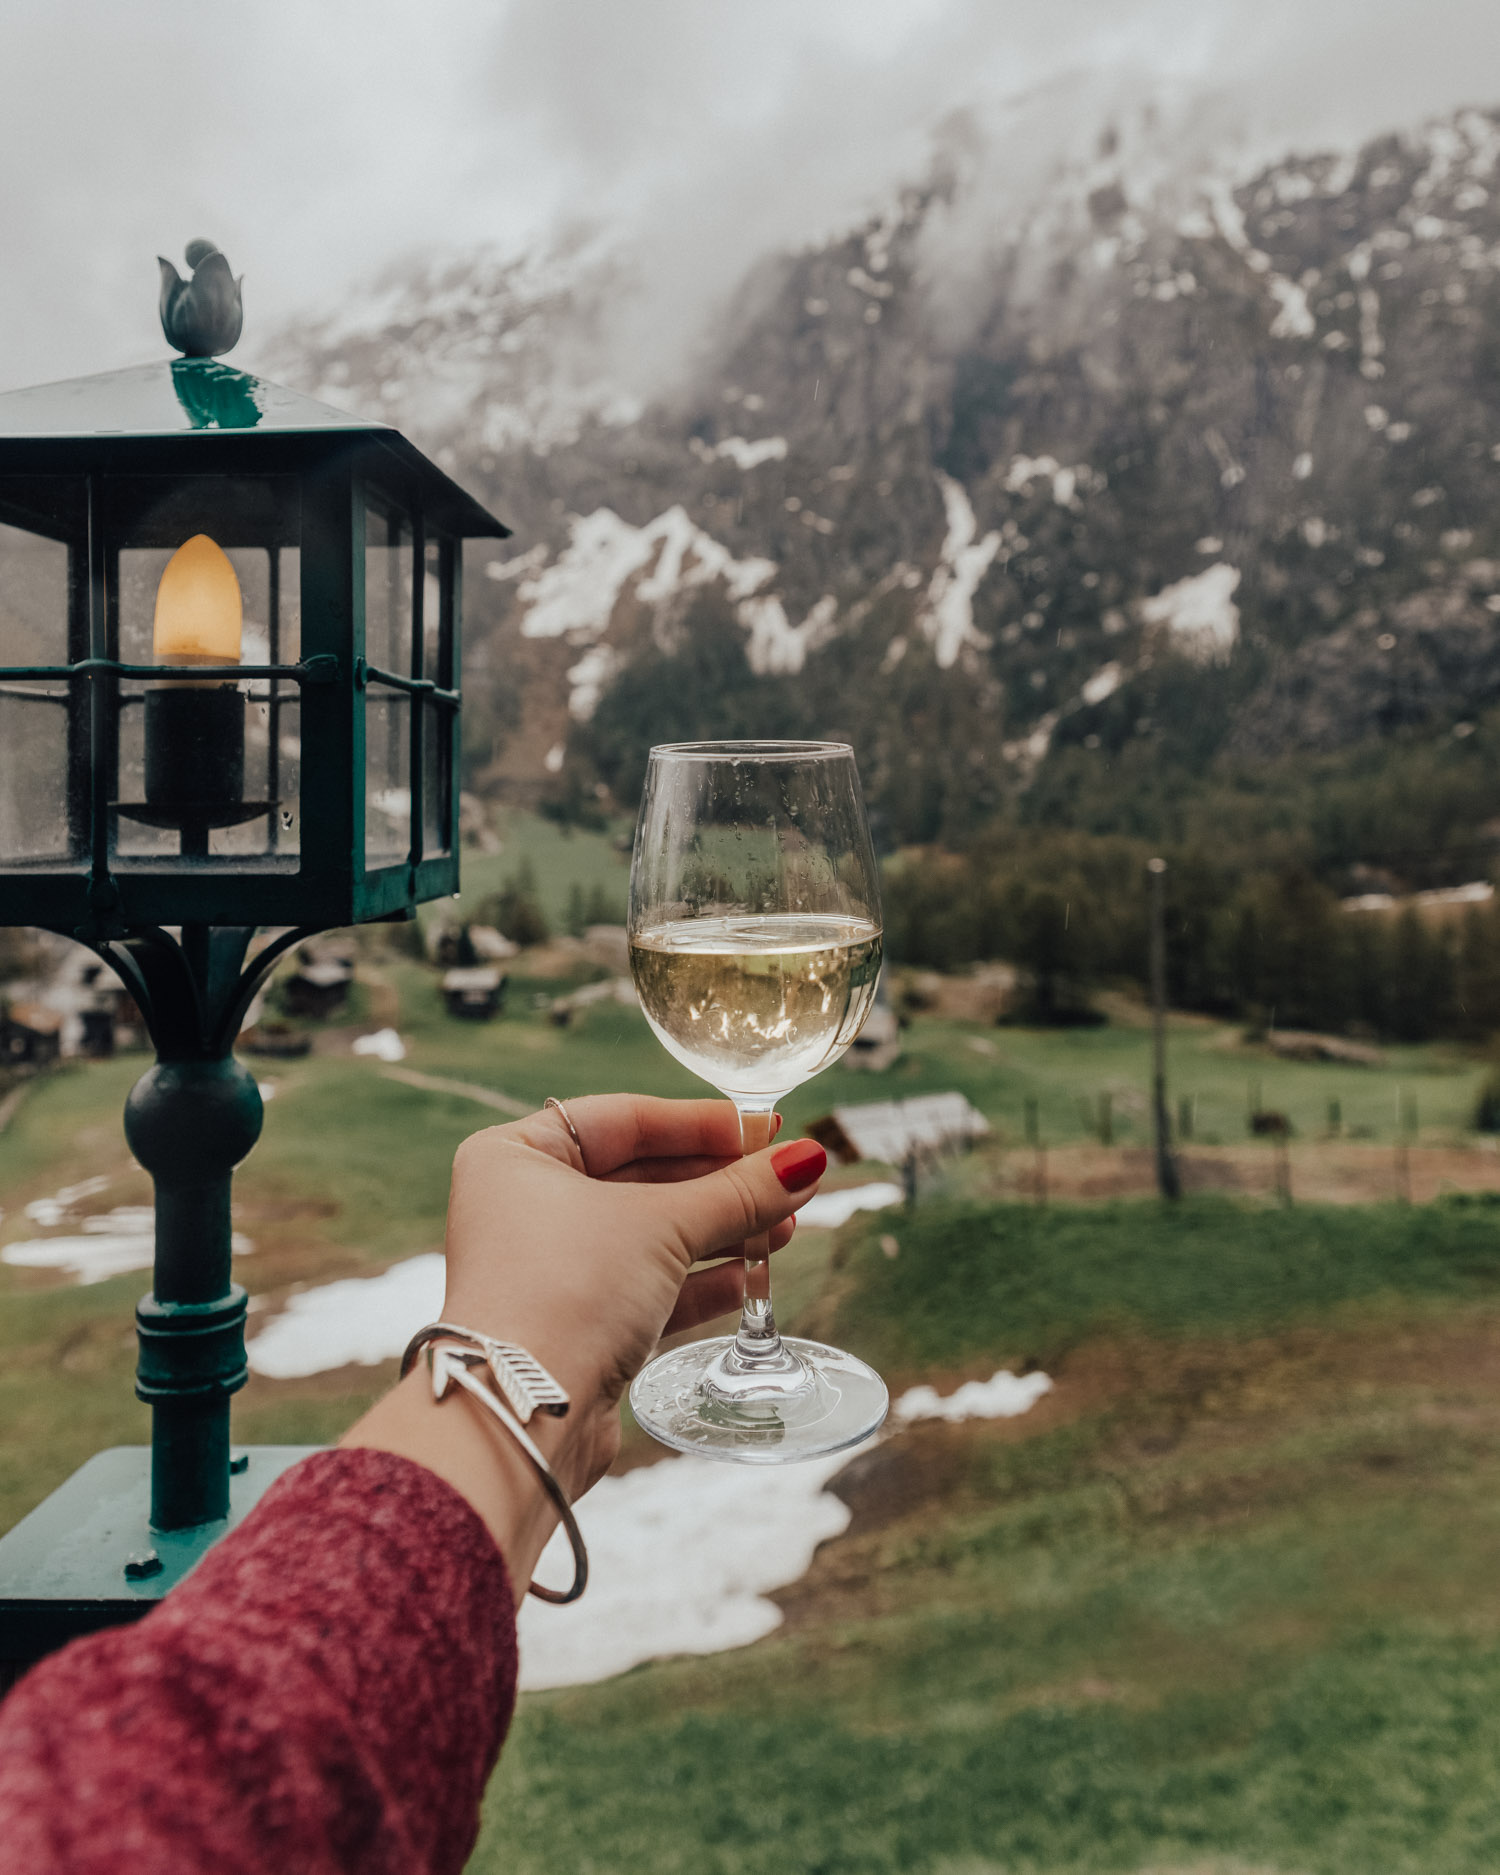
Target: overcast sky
[(318, 141)]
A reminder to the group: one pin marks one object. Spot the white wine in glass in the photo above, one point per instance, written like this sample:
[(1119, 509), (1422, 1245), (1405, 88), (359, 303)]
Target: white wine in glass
[(755, 944)]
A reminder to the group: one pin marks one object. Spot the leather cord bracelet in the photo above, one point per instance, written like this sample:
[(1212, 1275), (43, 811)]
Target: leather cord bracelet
[(527, 1387)]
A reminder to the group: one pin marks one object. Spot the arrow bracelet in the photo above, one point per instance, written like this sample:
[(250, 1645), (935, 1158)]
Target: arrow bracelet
[(527, 1388)]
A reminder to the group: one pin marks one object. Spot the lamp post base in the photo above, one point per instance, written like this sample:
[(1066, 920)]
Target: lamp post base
[(87, 1558)]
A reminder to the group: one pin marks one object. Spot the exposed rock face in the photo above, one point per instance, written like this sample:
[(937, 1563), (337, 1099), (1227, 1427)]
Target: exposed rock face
[(1253, 430), (1433, 655)]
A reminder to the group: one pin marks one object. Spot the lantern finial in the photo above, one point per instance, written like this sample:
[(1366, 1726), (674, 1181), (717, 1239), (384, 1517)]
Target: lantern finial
[(202, 316)]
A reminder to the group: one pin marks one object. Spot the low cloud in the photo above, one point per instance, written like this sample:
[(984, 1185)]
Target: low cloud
[(321, 145)]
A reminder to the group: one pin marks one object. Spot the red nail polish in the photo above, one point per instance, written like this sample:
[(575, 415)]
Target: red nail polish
[(799, 1164)]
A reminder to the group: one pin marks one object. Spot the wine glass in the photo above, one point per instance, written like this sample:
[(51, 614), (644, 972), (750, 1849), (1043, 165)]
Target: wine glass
[(755, 944)]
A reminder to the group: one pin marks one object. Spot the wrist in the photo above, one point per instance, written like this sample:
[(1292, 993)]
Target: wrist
[(561, 1351), (457, 1440)]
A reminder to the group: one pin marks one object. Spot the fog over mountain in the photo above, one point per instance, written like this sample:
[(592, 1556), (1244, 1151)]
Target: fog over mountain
[(320, 146), (709, 136), (1170, 465)]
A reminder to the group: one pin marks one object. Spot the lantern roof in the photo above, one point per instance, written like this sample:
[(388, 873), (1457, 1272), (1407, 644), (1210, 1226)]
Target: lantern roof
[(199, 397)]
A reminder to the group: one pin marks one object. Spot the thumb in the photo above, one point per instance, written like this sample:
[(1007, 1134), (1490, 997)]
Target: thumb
[(744, 1199)]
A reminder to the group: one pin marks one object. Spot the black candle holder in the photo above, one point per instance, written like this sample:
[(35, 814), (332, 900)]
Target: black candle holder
[(195, 763), (195, 746)]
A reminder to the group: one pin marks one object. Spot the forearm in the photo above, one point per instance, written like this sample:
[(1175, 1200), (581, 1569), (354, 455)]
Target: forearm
[(327, 1693)]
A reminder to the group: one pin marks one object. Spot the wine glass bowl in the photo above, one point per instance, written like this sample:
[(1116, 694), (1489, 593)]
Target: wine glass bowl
[(755, 944)]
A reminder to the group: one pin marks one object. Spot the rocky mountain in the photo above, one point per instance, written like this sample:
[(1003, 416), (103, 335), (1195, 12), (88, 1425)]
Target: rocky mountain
[(1176, 466)]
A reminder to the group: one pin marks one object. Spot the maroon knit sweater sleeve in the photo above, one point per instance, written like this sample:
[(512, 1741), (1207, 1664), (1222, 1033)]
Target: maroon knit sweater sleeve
[(326, 1693)]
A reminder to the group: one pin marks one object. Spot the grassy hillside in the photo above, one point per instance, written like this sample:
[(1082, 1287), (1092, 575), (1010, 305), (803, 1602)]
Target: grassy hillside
[(1030, 1283), (1224, 1602), (559, 859)]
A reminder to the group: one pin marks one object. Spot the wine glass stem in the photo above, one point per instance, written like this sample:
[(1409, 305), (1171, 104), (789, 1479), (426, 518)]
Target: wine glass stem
[(757, 1340)]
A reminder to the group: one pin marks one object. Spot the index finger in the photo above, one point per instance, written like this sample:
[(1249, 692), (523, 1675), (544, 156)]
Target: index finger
[(615, 1129)]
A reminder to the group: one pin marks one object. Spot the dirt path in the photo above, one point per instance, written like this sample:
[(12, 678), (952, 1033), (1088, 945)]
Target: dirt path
[(463, 1090)]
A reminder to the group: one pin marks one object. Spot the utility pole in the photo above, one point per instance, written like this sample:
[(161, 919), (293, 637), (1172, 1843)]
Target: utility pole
[(1167, 1181)]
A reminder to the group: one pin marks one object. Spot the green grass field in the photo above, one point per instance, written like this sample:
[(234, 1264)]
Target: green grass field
[(559, 858), (972, 1281), (1225, 1602)]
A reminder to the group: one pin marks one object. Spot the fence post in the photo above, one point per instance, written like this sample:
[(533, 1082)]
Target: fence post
[(1167, 1181)]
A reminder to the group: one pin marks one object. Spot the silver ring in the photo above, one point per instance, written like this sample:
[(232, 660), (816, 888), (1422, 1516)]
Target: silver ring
[(567, 1120)]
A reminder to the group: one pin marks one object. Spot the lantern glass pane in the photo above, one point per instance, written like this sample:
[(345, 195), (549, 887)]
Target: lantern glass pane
[(434, 636), (285, 625), (435, 770), (388, 591), (387, 775), (389, 573), (206, 570), (34, 773), (39, 604), (273, 770), (286, 827), (41, 622)]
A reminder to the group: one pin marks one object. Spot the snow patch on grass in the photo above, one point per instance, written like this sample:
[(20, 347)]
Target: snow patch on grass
[(684, 1553), (1003, 1396), (358, 1322), (103, 1244), (829, 1209), (384, 1045)]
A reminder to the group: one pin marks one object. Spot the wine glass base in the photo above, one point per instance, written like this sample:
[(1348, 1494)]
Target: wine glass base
[(843, 1402)]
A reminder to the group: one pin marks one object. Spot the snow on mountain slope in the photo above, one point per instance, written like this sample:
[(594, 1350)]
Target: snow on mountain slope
[(978, 481), (1199, 614), (947, 618)]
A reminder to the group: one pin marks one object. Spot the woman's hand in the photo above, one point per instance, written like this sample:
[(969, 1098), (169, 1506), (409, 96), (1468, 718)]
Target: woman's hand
[(586, 1260)]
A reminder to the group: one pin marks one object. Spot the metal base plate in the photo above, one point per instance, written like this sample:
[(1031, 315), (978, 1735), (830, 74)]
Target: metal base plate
[(62, 1568)]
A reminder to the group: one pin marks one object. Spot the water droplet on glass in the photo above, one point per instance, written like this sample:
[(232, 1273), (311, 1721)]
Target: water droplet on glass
[(265, 711), (286, 819)]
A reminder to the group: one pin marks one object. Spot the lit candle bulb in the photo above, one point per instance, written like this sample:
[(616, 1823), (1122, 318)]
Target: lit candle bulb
[(195, 728), (199, 617)]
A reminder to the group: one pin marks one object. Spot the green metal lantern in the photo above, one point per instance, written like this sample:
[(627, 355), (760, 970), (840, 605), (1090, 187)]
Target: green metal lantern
[(229, 705), (344, 543)]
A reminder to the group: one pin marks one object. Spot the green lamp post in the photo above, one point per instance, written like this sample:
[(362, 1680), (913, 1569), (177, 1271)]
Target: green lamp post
[(229, 708)]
